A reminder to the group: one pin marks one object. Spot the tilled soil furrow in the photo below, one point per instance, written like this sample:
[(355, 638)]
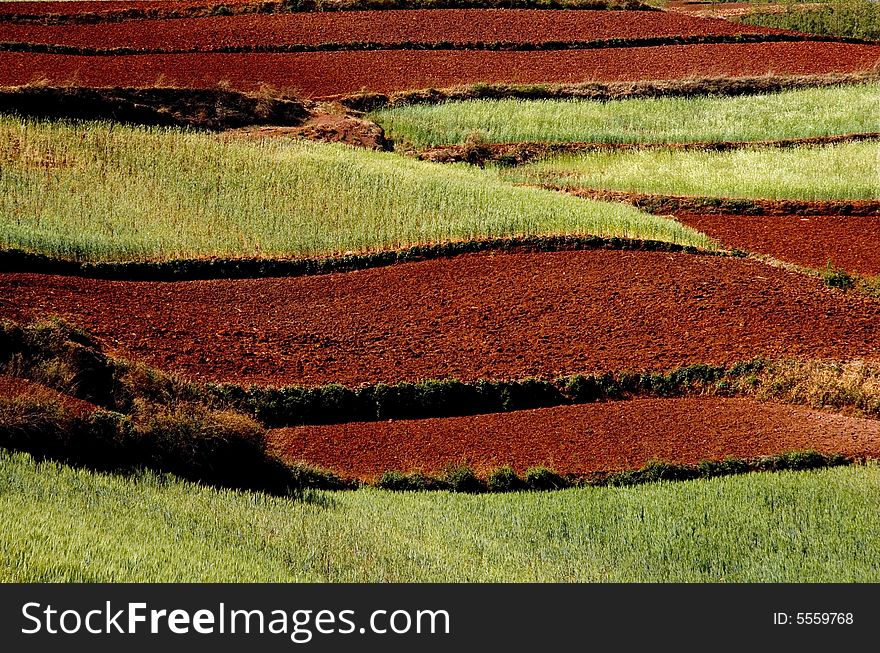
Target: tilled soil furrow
[(424, 26), (335, 74), (474, 316), (613, 436)]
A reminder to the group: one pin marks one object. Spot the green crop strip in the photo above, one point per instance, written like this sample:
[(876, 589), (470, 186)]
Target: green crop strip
[(62, 524), (850, 18), (605, 91), (14, 260), (98, 191), (788, 114), (833, 172)]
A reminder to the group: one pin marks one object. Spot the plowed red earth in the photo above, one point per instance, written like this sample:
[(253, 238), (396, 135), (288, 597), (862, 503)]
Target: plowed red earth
[(849, 242), (328, 74), (470, 317), (453, 25), (102, 6), (613, 436), (13, 387)]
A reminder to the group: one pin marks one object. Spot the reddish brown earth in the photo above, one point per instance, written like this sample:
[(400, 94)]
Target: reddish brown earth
[(327, 74), (469, 317), (675, 204), (414, 26), (103, 6), (14, 387), (849, 242), (613, 436)]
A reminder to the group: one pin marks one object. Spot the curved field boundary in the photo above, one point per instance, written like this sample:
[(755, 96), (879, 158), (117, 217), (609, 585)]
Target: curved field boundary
[(232, 452), (845, 387), (337, 74), (462, 478), (587, 439), (603, 91), (85, 13), (671, 204), (12, 260), (524, 152), (471, 317), (116, 385), (496, 46)]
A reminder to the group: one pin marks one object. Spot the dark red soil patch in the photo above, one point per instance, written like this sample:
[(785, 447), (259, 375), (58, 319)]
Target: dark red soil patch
[(16, 387), (613, 436), (523, 152), (103, 6), (675, 204), (470, 317), (413, 26), (329, 74), (849, 242)]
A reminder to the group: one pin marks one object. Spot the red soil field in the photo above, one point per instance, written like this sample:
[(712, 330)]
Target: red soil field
[(612, 436), (469, 317), (13, 387), (328, 74), (103, 6), (849, 242), (453, 25)]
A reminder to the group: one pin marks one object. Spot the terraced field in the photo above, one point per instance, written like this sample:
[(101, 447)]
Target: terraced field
[(193, 195), (475, 46), (669, 121), (338, 74), (811, 240), (549, 298), (616, 436), (471, 317), (383, 29)]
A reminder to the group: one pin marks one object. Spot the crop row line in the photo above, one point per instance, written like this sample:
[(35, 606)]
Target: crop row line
[(362, 46), (306, 6), (512, 154), (14, 260), (216, 434)]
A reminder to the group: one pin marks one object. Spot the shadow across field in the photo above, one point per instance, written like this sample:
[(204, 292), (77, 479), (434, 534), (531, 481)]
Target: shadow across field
[(214, 109)]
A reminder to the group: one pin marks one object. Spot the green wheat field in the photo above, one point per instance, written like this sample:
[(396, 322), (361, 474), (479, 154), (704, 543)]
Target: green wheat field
[(62, 524)]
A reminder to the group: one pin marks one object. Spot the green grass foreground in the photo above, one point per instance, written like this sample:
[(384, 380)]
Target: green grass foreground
[(845, 171), (97, 191), (62, 524), (811, 112)]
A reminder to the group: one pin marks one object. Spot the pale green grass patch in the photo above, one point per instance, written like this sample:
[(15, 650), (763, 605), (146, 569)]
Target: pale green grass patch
[(99, 191), (61, 524), (788, 114), (849, 171)]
